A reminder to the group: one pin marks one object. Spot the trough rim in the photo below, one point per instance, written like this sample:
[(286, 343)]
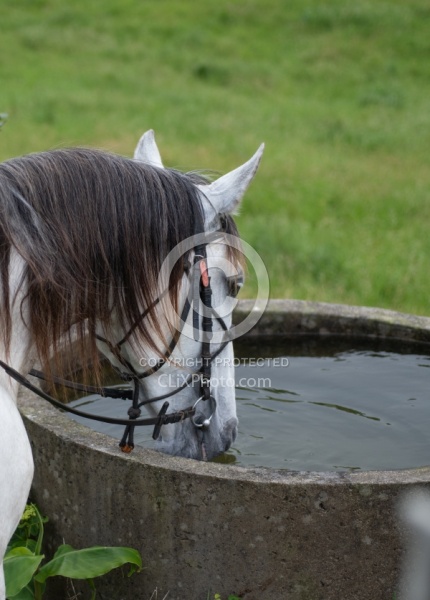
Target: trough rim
[(316, 318)]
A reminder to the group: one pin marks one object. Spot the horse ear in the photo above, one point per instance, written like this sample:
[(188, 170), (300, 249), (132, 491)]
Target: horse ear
[(226, 192), (147, 151)]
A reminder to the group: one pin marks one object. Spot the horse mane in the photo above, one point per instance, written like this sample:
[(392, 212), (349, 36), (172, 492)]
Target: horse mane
[(93, 229)]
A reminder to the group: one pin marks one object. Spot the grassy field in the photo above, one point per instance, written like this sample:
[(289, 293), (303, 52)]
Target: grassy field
[(338, 90)]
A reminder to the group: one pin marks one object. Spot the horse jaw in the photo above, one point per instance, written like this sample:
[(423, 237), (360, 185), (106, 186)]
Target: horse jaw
[(180, 439)]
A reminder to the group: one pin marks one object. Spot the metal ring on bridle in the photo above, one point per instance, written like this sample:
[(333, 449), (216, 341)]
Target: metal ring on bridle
[(206, 422)]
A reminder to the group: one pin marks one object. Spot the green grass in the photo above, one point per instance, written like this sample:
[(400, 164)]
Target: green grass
[(339, 91)]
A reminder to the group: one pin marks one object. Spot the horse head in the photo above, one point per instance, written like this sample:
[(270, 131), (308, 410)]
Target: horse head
[(197, 370)]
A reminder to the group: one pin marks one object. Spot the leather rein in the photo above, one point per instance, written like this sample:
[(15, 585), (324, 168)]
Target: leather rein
[(200, 281)]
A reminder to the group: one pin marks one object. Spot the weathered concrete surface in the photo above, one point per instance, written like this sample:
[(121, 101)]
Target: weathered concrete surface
[(298, 317), (260, 533)]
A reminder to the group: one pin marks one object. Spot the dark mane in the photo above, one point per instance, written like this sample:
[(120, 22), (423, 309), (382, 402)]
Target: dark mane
[(93, 229)]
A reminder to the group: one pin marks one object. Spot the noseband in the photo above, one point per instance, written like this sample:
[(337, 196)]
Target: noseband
[(200, 289)]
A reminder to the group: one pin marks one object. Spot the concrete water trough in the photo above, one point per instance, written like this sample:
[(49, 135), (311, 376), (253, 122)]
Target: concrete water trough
[(206, 528)]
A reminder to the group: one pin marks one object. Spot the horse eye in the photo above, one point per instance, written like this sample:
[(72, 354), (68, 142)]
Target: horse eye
[(234, 284)]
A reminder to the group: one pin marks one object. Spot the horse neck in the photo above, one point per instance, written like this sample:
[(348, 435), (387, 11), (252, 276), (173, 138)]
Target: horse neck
[(18, 355)]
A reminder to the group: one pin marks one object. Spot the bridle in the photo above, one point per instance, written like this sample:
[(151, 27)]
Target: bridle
[(200, 280), (201, 291)]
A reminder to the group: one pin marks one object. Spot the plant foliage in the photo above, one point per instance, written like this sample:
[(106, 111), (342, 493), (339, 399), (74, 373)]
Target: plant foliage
[(26, 576)]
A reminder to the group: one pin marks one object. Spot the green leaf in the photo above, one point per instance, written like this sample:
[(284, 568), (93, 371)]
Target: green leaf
[(19, 567), (63, 549), (26, 593), (88, 563)]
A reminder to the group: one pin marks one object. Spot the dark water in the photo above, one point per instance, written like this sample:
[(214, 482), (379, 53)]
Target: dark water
[(338, 405)]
